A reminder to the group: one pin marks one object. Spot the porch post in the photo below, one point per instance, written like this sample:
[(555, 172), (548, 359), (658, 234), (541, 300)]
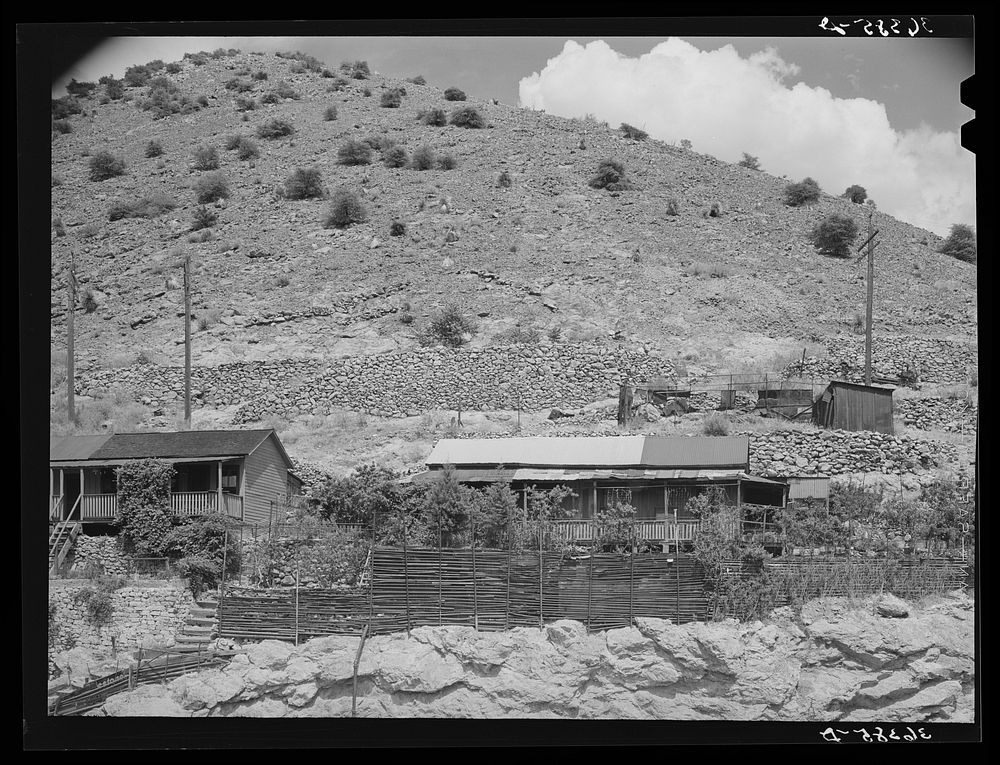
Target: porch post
[(218, 489), (62, 493), (82, 492), (593, 507), (666, 510), (243, 489)]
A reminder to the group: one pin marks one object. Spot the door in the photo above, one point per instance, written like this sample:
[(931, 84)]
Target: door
[(71, 488)]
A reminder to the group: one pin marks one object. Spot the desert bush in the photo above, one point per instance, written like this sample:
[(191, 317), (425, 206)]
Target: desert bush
[(856, 194), (57, 226), (380, 142), (518, 336), (173, 67), (803, 192), (454, 94), (238, 85), (467, 117), (284, 90), (247, 149), (433, 117), (715, 424), (205, 158), (354, 153), (153, 149), (673, 206), (686, 144), (611, 176), (146, 207), (418, 80), (360, 70), (204, 217), (231, 142), (633, 133), (345, 208), (338, 84), (447, 162), (276, 128), (56, 180), (259, 75), (198, 59), (137, 76), (245, 104), (330, 114), (395, 156), (270, 98), (202, 100), (84, 89), (304, 184), (104, 165), (961, 243), (164, 98), (750, 162), (712, 212), (398, 228), (211, 188), (423, 158), (62, 126), (834, 235), (449, 326), (504, 180), (391, 99)]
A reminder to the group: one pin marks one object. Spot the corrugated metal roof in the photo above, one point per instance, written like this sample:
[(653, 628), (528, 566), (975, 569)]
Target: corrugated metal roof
[(464, 476), (570, 475), (74, 447), (182, 445), (596, 452)]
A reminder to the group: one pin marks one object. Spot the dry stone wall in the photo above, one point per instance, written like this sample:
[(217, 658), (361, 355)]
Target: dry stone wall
[(103, 552), (938, 361), (145, 615), (398, 384), (952, 415)]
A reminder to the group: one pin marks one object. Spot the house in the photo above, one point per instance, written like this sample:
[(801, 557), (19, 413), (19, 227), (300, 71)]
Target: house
[(237, 472), (655, 474), (852, 406)]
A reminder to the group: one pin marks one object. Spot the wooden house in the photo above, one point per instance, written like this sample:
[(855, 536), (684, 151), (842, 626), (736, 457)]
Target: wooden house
[(853, 406), (657, 475), (235, 472)]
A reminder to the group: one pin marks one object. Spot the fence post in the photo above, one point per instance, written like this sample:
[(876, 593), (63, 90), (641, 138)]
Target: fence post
[(631, 585), (475, 591), (590, 586), (371, 573), (406, 575), (541, 600), (296, 604), (506, 613), (677, 590), (440, 565), (225, 549)]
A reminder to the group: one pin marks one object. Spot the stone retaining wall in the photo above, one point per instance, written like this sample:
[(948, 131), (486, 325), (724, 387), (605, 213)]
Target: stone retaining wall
[(402, 384), (100, 551), (145, 615), (953, 415)]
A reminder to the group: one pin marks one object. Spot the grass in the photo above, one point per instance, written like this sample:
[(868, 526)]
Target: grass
[(148, 207)]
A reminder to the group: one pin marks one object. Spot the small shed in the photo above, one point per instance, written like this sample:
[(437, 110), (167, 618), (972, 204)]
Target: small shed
[(853, 406)]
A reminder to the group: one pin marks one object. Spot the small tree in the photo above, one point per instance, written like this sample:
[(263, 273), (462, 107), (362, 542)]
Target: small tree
[(345, 208), (961, 243), (104, 165), (803, 192), (144, 516), (304, 184), (446, 509), (354, 153), (500, 518), (835, 235), (211, 188), (616, 525), (454, 94), (611, 176), (856, 194), (450, 326), (750, 162), (467, 117)]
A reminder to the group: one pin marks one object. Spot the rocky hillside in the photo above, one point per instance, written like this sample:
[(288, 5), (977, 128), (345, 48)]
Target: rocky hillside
[(882, 661)]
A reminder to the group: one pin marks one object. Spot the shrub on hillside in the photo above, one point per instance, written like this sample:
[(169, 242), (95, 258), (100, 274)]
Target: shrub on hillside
[(447, 162), (205, 158), (338, 84), (204, 217), (202, 100), (148, 207), (245, 104), (259, 75), (137, 76), (856, 194), (104, 165), (345, 208), (84, 89), (395, 156), (247, 149), (304, 184), (164, 98), (418, 80), (449, 326), (961, 243), (238, 84), (633, 132), (467, 117), (330, 114), (611, 176), (354, 153), (284, 90), (153, 149), (114, 89), (173, 67), (715, 424), (454, 94), (398, 228), (270, 98), (750, 162), (211, 188), (834, 235), (433, 117), (504, 181), (65, 107), (62, 126), (673, 206), (231, 142), (423, 158), (391, 99), (380, 142), (276, 128), (803, 192)]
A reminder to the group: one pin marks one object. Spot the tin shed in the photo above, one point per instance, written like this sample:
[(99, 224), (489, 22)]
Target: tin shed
[(852, 406)]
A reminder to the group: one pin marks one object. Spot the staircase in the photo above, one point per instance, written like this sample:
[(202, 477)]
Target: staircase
[(61, 539), (200, 627)]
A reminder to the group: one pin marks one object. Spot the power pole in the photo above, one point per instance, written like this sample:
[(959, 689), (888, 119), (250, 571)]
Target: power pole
[(187, 342), (70, 366), (871, 244)]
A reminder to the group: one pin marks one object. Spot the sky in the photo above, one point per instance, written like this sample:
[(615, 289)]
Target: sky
[(883, 113)]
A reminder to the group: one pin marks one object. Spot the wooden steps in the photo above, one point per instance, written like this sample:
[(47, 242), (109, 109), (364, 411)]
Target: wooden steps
[(201, 626), (61, 538)]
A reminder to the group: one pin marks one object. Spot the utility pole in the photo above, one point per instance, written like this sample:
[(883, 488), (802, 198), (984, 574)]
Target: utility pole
[(70, 366), (187, 342), (871, 244)]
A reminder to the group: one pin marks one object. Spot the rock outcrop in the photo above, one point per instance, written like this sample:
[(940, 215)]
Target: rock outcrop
[(833, 662)]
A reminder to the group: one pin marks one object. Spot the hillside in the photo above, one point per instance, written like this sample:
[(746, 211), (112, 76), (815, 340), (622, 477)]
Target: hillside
[(587, 268)]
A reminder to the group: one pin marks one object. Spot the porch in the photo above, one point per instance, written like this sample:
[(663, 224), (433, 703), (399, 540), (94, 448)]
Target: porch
[(102, 508)]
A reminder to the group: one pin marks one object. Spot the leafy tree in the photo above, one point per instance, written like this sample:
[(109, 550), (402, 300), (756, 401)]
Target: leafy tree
[(500, 518), (835, 234), (446, 509), (856, 194), (616, 525), (144, 516), (961, 243), (371, 491), (803, 192), (750, 162)]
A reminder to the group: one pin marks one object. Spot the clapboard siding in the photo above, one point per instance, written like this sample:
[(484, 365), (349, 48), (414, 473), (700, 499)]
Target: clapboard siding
[(267, 480)]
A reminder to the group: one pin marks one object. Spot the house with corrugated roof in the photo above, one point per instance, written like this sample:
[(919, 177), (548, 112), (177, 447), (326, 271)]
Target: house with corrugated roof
[(238, 473), (655, 474)]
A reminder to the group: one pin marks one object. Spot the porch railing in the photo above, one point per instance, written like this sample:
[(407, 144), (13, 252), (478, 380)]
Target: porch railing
[(194, 502), (98, 506), (654, 531), (56, 507)]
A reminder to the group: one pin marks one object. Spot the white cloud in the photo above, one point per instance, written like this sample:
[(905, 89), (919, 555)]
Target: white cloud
[(727, 105)]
